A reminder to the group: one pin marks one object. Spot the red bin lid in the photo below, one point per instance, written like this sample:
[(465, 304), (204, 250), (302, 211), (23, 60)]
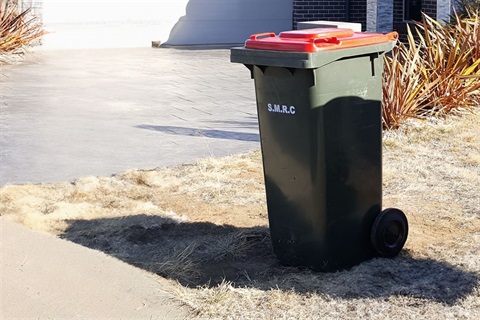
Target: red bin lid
[(316, 40)]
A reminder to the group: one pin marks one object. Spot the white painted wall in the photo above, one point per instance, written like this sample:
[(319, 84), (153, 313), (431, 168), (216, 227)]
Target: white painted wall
[(109, 23), (129, 23), (230, 21)]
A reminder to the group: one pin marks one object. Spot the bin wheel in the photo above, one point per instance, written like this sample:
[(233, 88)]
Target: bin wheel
[(389, 232)]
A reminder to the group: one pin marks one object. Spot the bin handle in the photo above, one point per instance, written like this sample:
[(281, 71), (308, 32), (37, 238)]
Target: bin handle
[(320, 41), (262, 35), (392, 35)]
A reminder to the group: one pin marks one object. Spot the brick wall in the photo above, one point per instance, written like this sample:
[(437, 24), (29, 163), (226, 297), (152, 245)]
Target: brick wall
[(358, 12), (429, 7), (308, 10), (397, 11)]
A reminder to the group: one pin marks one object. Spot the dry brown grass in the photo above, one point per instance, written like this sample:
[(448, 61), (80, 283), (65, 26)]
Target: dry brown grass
[(203, 226)]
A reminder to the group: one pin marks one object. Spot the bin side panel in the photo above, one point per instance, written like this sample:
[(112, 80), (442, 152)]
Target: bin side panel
[(349, 98), (353, 151)]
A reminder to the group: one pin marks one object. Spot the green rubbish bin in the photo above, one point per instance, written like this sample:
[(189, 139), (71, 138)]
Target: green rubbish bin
[(319, 94)]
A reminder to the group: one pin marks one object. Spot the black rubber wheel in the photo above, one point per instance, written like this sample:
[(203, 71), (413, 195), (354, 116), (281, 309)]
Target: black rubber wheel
[(389, 232)]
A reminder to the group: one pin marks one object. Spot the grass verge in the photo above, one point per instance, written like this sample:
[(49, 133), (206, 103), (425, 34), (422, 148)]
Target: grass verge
[(203, 226)]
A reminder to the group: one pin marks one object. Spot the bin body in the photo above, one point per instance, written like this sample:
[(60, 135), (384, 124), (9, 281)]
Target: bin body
[(321, 138)]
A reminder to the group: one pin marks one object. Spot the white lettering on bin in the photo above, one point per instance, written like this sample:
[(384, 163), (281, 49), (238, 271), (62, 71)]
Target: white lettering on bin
[(277, 108)]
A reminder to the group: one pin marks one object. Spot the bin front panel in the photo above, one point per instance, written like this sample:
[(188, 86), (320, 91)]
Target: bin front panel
[(286, 139), (321, 143)]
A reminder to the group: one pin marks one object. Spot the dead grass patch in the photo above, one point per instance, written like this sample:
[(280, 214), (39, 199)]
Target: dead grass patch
[(204, 227)]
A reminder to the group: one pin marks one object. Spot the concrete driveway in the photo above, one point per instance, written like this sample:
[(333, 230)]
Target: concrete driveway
[(67, 114)]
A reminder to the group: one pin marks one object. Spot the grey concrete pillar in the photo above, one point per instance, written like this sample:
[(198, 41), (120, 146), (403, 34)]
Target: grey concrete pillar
[(380, 15), (444, 9)]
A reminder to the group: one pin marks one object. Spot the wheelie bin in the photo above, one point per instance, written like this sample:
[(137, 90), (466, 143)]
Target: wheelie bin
[(319, 94)]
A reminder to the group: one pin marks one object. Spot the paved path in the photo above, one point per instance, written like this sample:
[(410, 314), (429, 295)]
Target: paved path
[(67, 114), (43, 277)]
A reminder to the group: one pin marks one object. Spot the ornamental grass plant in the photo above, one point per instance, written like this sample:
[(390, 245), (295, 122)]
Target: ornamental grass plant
[(464, 7), (18, 30), (435, 73)]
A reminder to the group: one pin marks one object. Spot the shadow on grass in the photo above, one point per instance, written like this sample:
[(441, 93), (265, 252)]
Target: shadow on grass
[(205, 254)]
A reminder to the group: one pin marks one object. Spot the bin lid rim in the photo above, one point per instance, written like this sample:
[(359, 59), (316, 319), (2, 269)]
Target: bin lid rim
[(316, 40)]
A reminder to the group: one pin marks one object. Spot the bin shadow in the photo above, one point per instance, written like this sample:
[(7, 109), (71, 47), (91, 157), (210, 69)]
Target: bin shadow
[(252, 123), (205, 254), (207, 133)]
